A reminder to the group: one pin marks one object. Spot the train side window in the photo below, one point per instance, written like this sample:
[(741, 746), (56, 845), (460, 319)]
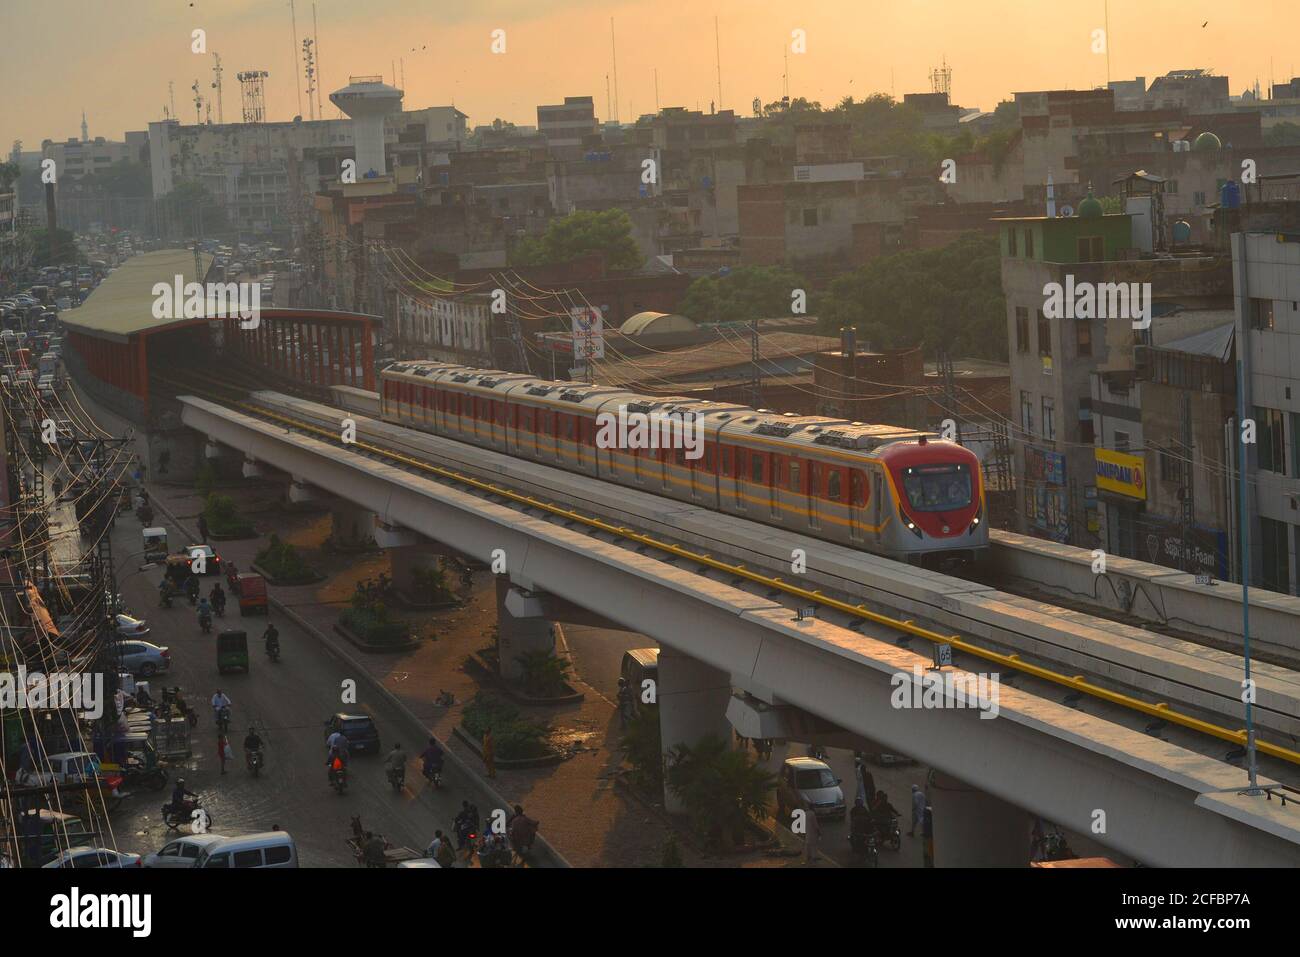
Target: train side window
[(756, 465), (835, 485), (568, 427), (858, 486), (708, 456), (795, 477), (728, 460), (814, 480)]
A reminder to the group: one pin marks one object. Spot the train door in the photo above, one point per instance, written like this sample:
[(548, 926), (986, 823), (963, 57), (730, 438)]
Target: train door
[(858, 518), (815, 473), (876, 503)]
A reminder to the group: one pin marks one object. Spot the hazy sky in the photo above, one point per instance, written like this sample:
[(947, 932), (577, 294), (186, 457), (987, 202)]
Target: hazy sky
[(114, 59)]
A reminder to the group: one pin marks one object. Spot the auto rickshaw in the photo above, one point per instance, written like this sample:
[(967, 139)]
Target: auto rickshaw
[(232, 651), (155, 544), (252, 594)]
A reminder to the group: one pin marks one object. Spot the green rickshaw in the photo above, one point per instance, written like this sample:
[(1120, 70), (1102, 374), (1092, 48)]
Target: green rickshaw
[(232, 651)]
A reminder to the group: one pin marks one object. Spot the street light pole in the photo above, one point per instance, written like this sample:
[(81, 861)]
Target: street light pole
[(1244, 534)]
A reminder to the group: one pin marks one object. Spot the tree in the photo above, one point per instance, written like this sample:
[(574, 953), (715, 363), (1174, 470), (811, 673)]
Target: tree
[(9, 172), (575, 235), (123, 178), (64, 251), (750, 292), (1282, 134), (947, 298), (720, 788), (196, 209)]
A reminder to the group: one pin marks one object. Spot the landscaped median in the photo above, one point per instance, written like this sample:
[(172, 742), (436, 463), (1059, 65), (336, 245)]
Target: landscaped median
[(520, 742), (282, 564)]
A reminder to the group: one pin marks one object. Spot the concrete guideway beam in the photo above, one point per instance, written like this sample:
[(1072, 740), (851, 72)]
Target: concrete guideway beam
[(301, 492), (252, 469), (394, 536), (975, 829), (1052, 760)]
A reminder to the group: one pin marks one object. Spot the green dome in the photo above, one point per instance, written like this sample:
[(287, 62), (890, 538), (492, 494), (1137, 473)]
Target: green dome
[(1207, 141), (1091, 207)]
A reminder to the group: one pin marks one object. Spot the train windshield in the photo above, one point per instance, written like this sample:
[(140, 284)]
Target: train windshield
[(937, 488)]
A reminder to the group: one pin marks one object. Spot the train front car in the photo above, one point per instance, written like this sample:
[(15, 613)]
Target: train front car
[(938, 493)]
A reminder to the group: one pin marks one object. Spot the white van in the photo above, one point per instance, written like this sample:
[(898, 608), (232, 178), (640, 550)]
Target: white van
[(267, 849)]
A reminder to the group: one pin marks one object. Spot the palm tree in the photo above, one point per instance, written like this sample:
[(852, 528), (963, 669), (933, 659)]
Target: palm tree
[(720, 788)]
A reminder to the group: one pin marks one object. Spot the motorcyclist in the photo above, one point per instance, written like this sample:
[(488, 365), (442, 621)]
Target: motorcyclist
[(522, 830), (466, 823), (252, 742), (433, 758), (395, 762), (859, 819), (335, 764), (624, 700), (272, 638), (219, 702), (882, 812), (166, 590), (204, 612), (218, 598), (192, 587), (180, 793)]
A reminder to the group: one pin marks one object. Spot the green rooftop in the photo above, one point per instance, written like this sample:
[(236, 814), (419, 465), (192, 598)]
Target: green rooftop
[(122, 305)]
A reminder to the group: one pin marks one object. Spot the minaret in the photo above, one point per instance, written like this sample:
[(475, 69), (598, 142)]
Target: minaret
[(85, 130)]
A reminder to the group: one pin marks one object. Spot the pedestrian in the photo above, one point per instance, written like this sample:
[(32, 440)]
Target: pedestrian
[(918, 808), (224, 753), (164, 459), (489, 753), (203, 529), (812, 834)]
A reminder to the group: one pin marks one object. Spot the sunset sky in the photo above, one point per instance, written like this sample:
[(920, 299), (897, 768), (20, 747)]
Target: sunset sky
[(114, 59)]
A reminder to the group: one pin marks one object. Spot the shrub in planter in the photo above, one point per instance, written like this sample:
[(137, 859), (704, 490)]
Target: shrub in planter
[(544, 675), (205, 480), (429, 585), (223, 518), (642, 747), (373, 625), (516, 737), (721, 789), (284, 563)]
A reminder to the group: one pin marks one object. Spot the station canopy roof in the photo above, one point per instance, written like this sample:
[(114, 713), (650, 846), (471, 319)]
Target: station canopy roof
[(123, 304)]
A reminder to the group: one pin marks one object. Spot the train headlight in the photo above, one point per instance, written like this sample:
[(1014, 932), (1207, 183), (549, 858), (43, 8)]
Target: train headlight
[(911, 525), (975, 522)]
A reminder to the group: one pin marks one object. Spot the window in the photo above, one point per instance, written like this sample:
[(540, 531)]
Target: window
[(277, 855), (1086, 432), (756, 465), (814, 480), (1121, 441), (835, 484), (858, 487), (1049, 419), (795, 478), (1275, 574), (1091, 249), (251, 858), (1022, 329), (1171, 466), (810, 217), (1271, 435), (1029, 244), (1083, 337), (1011, 242), (1044, 335), (1261, 313), (1027, 413), (1198, 198), (938, 488)]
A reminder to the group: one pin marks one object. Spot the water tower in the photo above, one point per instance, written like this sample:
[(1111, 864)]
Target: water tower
[(368, 99)]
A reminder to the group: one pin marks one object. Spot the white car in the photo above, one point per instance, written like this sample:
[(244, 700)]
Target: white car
[(81, 857), (131, 627), (182, 851), (143, 658), (69, 767)]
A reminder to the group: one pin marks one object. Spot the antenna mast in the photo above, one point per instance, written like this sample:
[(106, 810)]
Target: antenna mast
[(198, 103), (320, 78), (309, 70), (216, 85), (293, 19), (717, 53), (253, 94), (614, 50), (171, 95)]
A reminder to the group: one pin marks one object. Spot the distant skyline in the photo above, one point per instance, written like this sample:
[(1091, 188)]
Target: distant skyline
[(115, 60)]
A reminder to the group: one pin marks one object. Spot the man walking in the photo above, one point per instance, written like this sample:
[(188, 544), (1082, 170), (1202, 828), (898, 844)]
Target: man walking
[(203, 529), (918, 808)]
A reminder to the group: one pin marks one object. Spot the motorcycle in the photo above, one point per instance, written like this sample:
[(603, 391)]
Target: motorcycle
[(891, 836), (219, 605), (223, 720), (273, 650), (165, 599), (339, 780), (145, 514), (205, 623), (255, 760), (433, 774), (174, 816), (397, 778), (155, 779)]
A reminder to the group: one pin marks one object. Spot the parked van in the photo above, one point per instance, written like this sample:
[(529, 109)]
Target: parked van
[(639, 666), (267, 849)]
